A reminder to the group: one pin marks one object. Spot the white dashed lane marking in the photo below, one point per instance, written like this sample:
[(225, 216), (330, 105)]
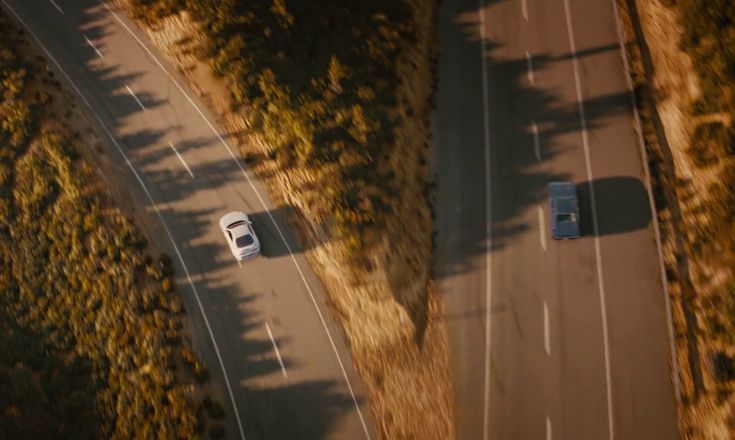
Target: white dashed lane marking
[(134, 97), (56, 6), (188, 170), (275, 348), (529, 68), (99, 54)]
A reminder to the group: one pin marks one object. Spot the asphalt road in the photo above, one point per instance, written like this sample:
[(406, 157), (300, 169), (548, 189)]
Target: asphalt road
[(187, 180), (548, 339)]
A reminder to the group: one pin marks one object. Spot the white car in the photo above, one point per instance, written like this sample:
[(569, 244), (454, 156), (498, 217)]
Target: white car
[(239, 233)]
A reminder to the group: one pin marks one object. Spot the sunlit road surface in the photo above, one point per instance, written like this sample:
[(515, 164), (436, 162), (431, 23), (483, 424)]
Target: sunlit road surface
[(548, 339), (278, 362)]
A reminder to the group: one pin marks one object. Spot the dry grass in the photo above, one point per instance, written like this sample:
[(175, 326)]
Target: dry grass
[(389, 312), (705, 412)]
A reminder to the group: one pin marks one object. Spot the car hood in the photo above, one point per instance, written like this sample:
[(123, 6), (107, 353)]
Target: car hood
[(566, 229), (231, 218)]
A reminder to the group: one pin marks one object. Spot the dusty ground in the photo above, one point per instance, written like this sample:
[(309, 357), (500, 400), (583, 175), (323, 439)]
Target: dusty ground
[(666, 85), (389, 311)]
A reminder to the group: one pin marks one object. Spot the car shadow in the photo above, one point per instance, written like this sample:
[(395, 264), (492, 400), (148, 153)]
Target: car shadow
[(275, 228), (626, 205)]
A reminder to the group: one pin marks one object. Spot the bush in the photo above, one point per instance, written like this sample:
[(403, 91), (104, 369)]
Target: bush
[(166, 265), (217, 432), (214, 409), (724, 367), (166, 285), (317, 100), (85, 341), (708, 38), (710, 141)]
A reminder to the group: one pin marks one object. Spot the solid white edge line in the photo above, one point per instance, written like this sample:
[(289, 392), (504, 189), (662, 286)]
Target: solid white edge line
[(536, 141), (488, 222), (188, 170), (529, 66), (547, 336), (541, 227), (654, 213), (524, 9), (548, 428), (263, 204), (99, 54), (595, 225), (153, 203), (135, 97), (57, 6), (275, 348)]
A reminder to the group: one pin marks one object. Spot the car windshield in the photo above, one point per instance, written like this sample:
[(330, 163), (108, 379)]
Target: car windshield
[(245, 240), (565, 218), (237, 223)]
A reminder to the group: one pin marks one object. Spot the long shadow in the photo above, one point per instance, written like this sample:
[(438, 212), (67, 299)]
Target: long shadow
[(518, 178), (311, 407), (269, 406)]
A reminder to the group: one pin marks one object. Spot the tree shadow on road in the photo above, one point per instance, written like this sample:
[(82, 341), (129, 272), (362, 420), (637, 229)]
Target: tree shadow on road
[(502, 132), (264, 398), (311, 407)]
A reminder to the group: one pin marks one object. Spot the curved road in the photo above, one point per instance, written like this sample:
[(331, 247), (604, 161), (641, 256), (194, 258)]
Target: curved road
[(548, 339), (186, 177)]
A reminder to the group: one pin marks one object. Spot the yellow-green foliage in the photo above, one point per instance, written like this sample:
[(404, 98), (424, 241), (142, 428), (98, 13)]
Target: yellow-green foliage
[(90, 332), (318, 83)]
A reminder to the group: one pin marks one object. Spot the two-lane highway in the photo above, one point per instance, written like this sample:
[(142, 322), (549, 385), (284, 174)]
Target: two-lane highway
[(548, 339), (278, 361)]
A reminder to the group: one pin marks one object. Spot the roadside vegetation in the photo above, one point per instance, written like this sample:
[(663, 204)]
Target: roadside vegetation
[(318, 86), (91, 337), (330, 105), (684, 70)]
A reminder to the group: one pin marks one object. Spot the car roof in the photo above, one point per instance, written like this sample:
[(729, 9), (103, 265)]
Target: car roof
[(565, 205), (241, 230)]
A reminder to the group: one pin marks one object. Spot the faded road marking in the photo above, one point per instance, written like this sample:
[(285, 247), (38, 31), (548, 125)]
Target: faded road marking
[(529, 68), (595, 224), (99, 54), (541, 227), (188, 170), (536, 141), (275, 348), (56, 6), (547, 336), (134, 97)]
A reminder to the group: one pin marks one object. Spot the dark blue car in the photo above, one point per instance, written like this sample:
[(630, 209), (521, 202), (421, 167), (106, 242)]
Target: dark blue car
[(564, 213)]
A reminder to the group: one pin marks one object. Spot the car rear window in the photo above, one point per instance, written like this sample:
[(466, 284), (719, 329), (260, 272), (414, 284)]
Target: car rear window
[(565, 218), (245, 240), (237, 223)]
